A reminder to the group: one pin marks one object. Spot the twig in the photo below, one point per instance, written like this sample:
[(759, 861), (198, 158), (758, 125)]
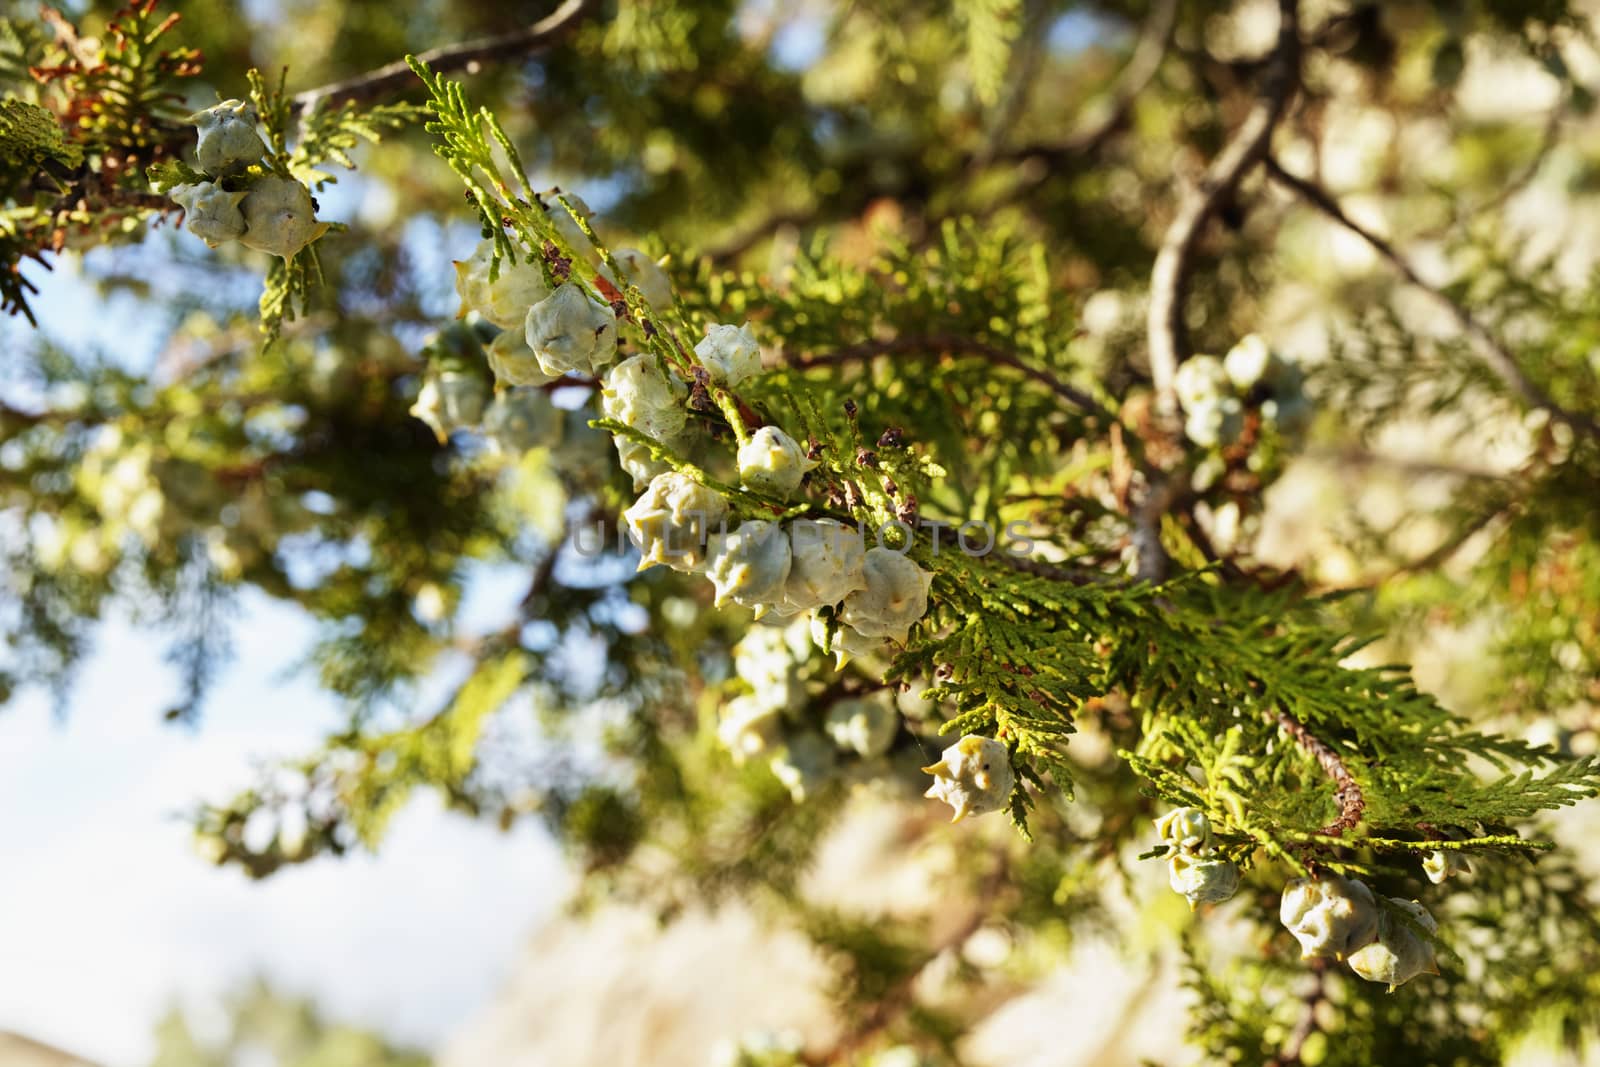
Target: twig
[(902, 994), (1110, 113), (393, 77), (10, 417), (1294, 1047), (1169, 280), (1347, 791), (939, 344), (1103, 123), (1025, 60), (1351, 456), (1549, 137), (1151, 555), (1201, 540), (1445, 550), (1494, 355), (742, 242)]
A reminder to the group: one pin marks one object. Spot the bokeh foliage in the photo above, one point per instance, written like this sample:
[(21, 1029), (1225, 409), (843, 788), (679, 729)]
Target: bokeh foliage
[(928, 211)]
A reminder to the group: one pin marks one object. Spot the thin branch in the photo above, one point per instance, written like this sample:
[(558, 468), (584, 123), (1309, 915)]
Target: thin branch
[(1445, 550), (1101, 124), (1151, 555), (1347, 791), (394, 77), (1491, 352), (1192, 528), (1549, 137), (1351, 456), (742, 242), (1110, 114), (1025, 62), (1169, 280), (902, 995), (942, 344), (15, 417), (1294, 1047)]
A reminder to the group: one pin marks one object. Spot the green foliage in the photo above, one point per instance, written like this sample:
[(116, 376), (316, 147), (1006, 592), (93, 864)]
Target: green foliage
[(72, 167), (949, 284), (327, 134), (324, 134), (29, 138)]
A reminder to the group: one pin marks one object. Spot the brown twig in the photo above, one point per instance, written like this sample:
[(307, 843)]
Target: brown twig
[(901, 995), (1491, 352), (1110, 114), (742, 242), (1103, 120), (1102, 123), (1353, 456), (941, 344), (1169, 280), (1446, 549), (1549, 137), (1347, 791), (1152, 561), (394, 77), (1294, 1046)]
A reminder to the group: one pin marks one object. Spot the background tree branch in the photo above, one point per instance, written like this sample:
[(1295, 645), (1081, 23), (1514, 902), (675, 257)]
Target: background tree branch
[(394, 77), (1493, 353), (1169, 280)]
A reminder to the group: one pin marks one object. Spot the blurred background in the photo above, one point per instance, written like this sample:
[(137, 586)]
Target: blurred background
[(210, 719)]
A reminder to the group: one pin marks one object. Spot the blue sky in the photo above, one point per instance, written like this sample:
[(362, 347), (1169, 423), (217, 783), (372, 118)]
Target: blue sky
[(106, 913)]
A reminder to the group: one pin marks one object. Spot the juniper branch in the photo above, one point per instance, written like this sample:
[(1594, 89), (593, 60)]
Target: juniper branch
[(1347, 791), (394, 77), (1549, 138), (1491, 351)]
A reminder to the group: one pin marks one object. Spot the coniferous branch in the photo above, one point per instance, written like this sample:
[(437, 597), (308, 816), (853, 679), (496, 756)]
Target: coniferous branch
[(331, 132), (395, 77), (1354, 456), (1011, 100), (1347, 793), (1200, 683), (72, 169), (1447, 549), (1169, 279), (1494, 354)]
